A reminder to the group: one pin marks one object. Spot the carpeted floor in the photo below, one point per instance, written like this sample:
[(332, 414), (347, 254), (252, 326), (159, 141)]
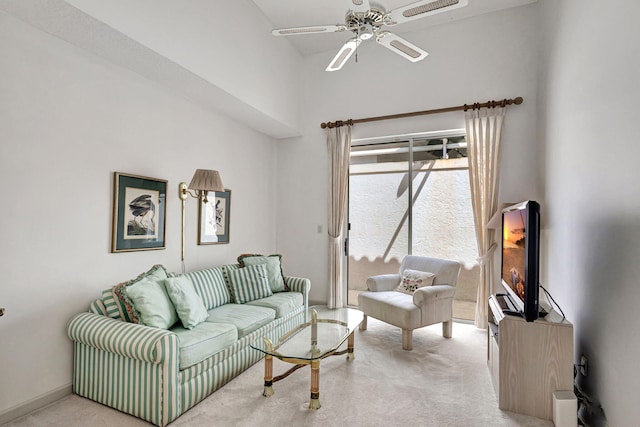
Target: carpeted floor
[(442, 382)]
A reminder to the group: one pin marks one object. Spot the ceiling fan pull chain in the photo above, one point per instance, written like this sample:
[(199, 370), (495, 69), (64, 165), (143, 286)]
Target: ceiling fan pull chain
[(357, 44)]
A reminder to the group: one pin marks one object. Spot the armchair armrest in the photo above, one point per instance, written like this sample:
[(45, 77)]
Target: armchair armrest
[(123, 338), (383, 282), (435, 292)]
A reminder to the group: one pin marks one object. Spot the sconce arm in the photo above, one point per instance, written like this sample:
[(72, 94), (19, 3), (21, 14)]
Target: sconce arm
[(183, 192)]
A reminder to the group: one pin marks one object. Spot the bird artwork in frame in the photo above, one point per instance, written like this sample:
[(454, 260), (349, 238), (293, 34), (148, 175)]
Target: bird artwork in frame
[(139, 209), (213, 219)]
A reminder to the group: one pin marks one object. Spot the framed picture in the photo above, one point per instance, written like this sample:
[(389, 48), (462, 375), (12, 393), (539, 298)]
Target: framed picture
[(213, 219), (139, 210)]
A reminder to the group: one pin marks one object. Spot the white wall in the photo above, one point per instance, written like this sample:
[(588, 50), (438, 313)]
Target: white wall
[(223, 42), (491, 56), (589, 92), (68, 120)]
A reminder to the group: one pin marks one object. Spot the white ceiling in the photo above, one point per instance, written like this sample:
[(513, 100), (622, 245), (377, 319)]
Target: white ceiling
[(296, 13), (172, 42)]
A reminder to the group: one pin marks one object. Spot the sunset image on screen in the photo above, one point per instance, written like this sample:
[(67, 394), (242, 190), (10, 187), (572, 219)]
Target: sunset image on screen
[(513, 250)]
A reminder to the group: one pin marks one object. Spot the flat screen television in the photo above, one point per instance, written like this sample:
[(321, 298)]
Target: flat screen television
[(521, 257)]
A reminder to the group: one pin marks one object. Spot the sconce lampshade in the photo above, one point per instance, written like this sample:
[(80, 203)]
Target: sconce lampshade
[(206, 180)]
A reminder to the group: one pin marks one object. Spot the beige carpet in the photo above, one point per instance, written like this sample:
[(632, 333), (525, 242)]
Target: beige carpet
[(442, 382)]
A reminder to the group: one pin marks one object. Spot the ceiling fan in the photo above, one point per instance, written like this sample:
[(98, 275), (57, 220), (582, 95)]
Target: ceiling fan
[(366, 20)]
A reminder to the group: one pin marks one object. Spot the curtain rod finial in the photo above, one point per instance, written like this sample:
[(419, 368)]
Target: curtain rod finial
[(518, 100), (323, 125)]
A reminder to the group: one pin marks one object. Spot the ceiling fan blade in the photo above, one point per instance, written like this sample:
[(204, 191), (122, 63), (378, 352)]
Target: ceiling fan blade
[(360, 5), (308, 30), (423, 8), (343, 55), (401, 46)]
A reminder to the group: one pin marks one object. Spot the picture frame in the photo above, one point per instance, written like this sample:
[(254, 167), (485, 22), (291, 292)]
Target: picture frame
[(214, 218), (139, 211)]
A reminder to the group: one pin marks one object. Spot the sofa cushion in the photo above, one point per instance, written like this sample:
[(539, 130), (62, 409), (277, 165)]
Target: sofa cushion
[(274, 268), (203, 341), (186, 301), (249, 283), (211, 286), (124, 305), (246, 318), (151, 301), (282, 302), (414, 279)]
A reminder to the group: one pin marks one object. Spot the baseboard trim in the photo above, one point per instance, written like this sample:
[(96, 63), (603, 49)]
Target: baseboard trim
[(34, 404)]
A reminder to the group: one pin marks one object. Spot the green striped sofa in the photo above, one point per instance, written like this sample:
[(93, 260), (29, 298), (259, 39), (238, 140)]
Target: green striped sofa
[(158, 374)]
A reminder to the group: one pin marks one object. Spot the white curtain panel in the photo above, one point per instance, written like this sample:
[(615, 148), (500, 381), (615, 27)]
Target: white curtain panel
[(484, 132), (339, 145)]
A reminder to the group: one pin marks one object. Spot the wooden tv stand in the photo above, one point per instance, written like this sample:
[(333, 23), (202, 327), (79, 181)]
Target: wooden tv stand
[(528, 361)]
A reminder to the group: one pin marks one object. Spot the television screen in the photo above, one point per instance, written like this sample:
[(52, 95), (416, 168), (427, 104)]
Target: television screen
[(514, 250), (521, 256)]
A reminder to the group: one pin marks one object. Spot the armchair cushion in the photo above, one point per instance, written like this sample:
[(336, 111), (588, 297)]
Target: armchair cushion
[(396, 308), (414, 279)]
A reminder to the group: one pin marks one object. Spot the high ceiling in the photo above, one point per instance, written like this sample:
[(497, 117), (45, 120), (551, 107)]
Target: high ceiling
[(179, 44), (296, 13)]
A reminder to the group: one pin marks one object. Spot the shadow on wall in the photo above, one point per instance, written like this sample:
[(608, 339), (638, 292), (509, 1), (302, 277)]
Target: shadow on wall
[(360, 270), (607, 323)]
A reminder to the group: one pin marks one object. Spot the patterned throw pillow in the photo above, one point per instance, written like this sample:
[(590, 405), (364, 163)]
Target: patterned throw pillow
[(128, 312), (413, 279), (274, 268), (250, 283)]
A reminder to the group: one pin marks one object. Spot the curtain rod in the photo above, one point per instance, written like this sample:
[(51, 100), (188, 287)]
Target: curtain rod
[(475, 106)]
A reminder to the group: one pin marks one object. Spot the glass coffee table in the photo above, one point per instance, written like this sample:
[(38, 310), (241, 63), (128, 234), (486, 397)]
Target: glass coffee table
[(320, 335)]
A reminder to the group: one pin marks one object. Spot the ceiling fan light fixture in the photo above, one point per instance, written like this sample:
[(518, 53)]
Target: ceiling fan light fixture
[(365, 32)]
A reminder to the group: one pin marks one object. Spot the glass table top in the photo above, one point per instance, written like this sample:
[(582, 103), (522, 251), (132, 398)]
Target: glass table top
[(316, 336)]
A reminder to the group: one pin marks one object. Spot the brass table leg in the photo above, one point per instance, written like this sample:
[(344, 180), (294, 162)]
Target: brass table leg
[(314, 403), (350, 346), (268, 371)]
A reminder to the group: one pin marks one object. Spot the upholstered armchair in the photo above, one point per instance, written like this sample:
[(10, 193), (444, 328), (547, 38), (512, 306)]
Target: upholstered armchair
[(392, 298)]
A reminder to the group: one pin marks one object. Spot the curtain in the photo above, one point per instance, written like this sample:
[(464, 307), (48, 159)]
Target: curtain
[(339, 145), (484, 132)]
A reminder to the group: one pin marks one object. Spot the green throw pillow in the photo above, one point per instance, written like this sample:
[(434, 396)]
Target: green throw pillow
[(151, 300), (274, 269), (124, 304), (188, 304), (250, 283)]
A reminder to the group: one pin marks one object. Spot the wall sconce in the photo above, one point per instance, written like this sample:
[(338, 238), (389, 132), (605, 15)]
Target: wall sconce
[(203, 181)]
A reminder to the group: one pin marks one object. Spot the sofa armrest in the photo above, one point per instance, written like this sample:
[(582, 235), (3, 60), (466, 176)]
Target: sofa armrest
[(131, 340), (383, 282), (435, 292), (299, 284)]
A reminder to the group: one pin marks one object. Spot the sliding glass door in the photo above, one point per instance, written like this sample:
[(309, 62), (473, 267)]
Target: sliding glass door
[(410, 195)]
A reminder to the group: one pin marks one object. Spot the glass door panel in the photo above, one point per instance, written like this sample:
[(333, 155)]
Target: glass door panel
[(378, 213)]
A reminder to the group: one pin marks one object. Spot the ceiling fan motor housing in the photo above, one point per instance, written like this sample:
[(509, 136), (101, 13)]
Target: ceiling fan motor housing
[(365, 23)]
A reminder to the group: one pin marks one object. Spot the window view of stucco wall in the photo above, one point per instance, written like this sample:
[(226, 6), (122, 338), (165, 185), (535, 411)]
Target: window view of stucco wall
[(442, 223)]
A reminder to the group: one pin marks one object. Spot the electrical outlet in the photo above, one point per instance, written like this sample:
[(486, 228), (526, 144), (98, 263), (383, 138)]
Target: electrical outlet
[(583, 365)]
